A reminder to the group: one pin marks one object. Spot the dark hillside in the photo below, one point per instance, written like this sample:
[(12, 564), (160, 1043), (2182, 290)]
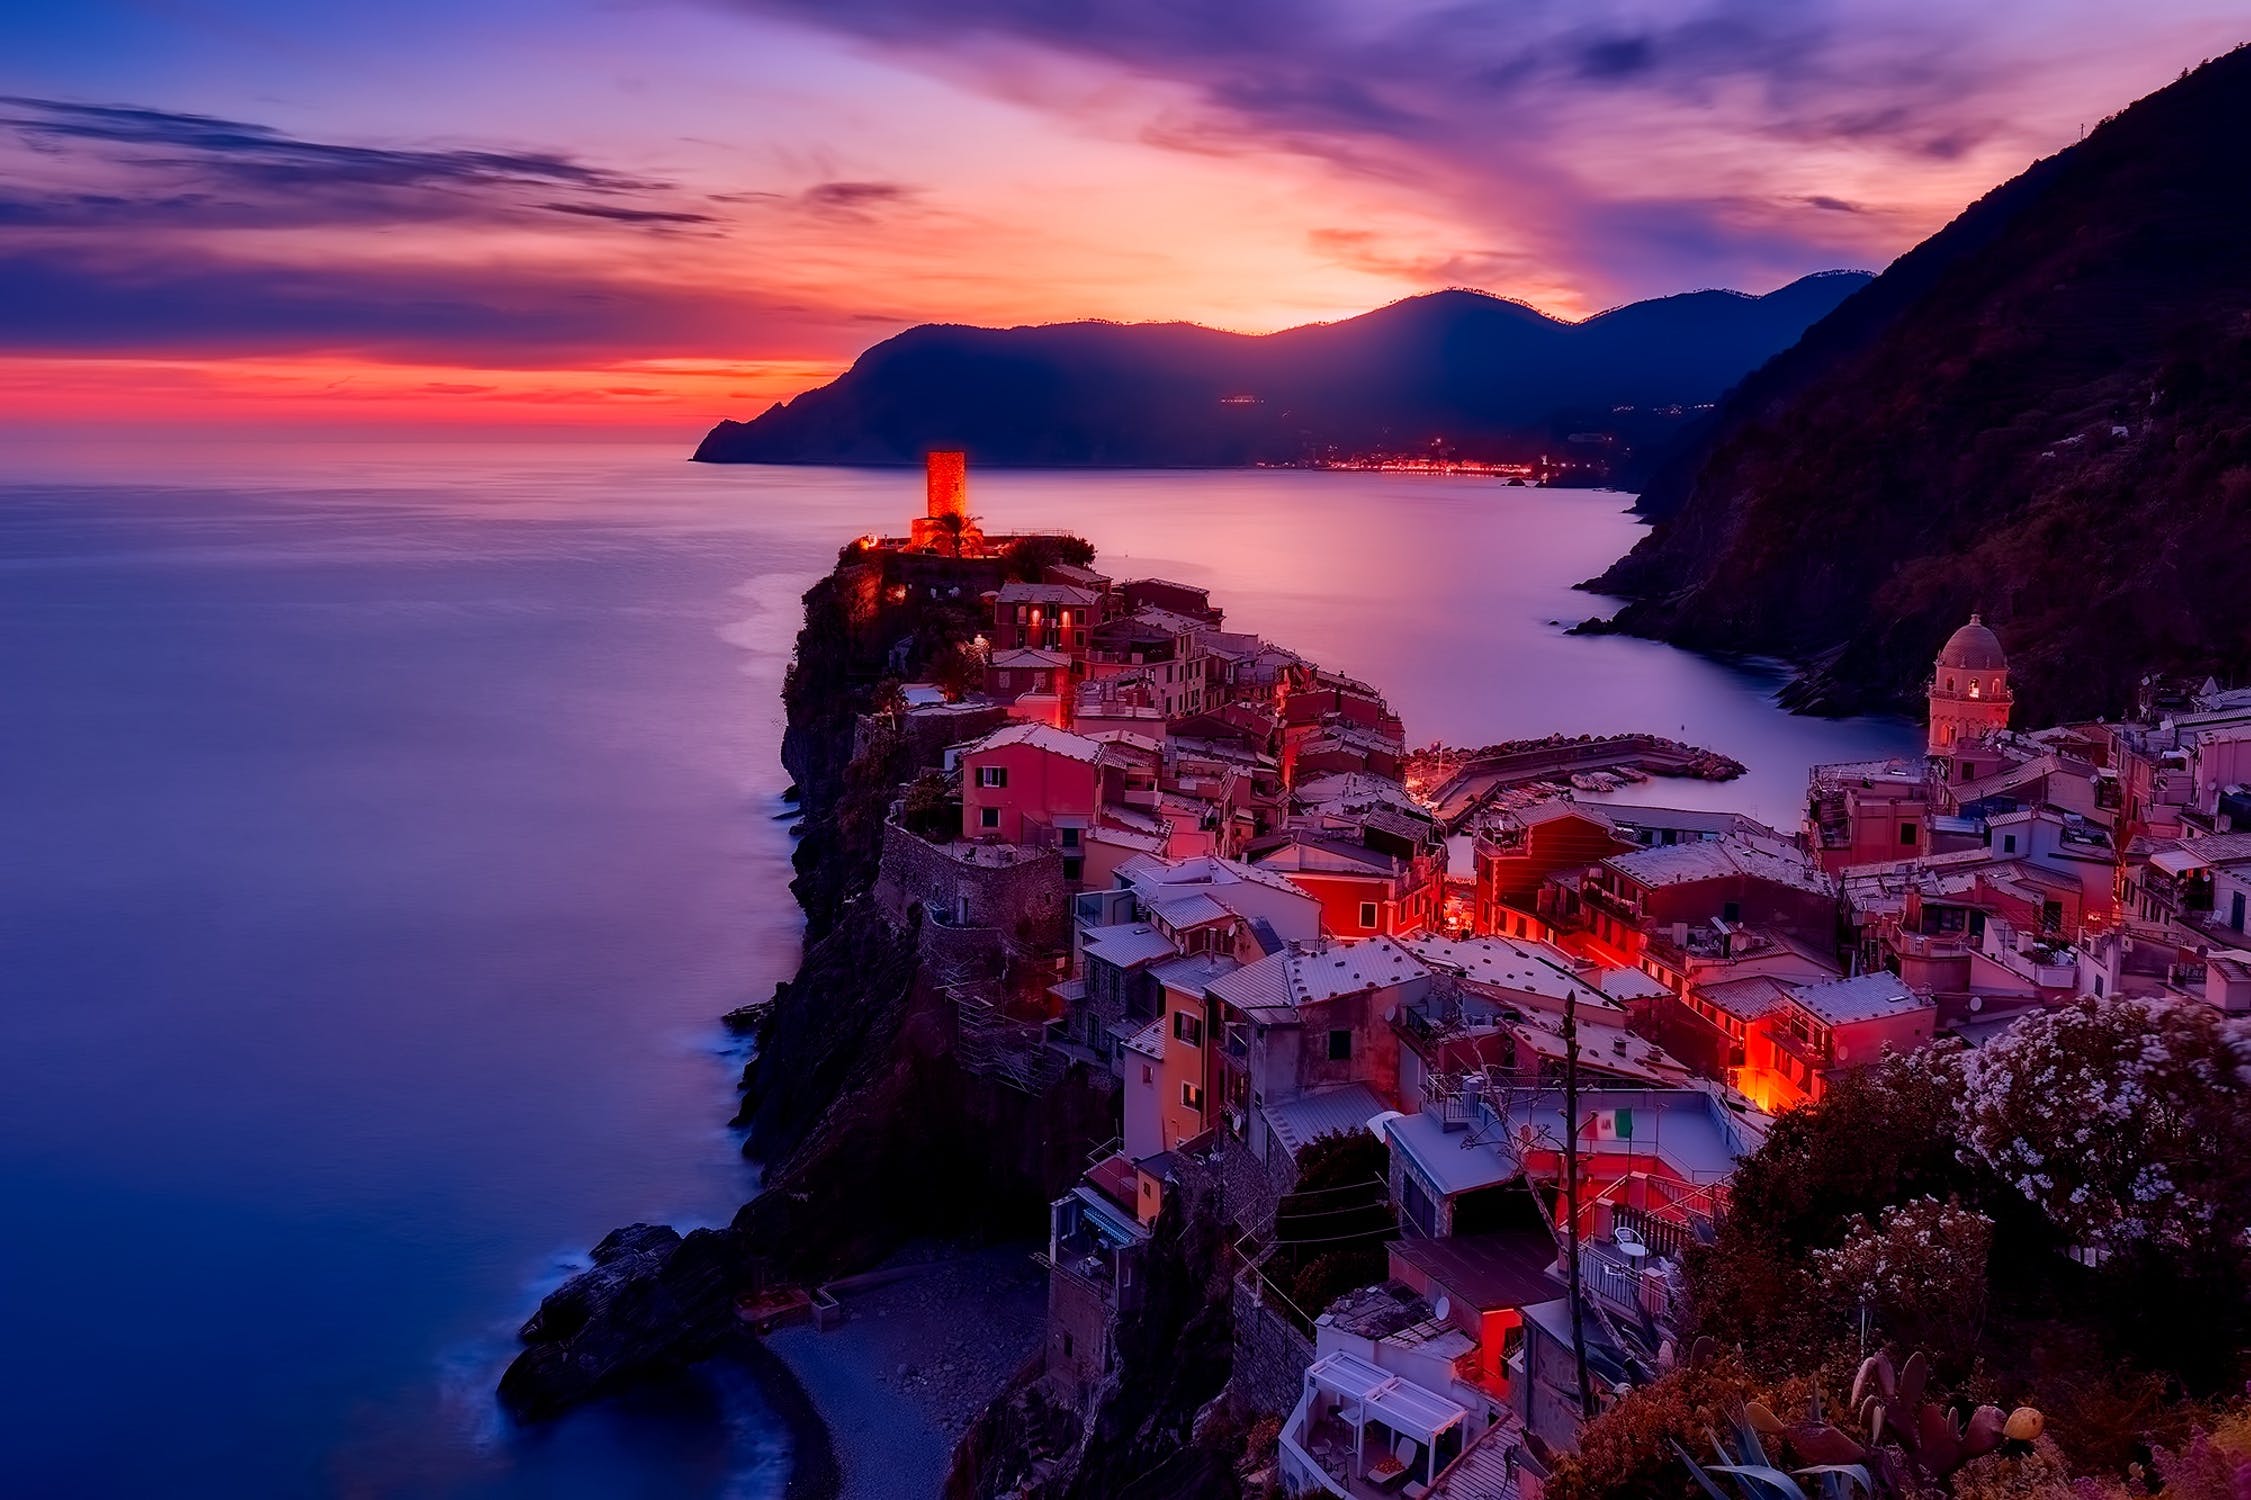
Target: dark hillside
[(2043, 412), (1483, 377)]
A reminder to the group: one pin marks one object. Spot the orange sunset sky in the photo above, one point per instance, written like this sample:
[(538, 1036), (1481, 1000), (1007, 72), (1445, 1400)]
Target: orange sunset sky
[(655, 214)]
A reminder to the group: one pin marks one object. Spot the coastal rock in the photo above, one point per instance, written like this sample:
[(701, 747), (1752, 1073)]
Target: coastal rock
[(652, 1302)]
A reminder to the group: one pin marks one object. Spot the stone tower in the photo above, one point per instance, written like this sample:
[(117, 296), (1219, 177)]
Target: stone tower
[(1969, 689), (946, 524)]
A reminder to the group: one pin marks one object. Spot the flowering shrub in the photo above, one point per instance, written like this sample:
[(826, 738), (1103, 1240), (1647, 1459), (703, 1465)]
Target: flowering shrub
[(1921, 1271), (2122, 1120)]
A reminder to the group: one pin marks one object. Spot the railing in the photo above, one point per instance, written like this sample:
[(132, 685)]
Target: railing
[(1604, 900), (992, 1045), (1630, 1285), (1931, 944)]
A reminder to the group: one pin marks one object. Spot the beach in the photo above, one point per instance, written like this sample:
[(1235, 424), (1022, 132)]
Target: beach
[(926, 1343)]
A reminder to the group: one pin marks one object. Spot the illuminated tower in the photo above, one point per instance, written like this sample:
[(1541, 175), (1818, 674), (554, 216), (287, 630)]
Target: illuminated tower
[(1969, 691), (946, 524)]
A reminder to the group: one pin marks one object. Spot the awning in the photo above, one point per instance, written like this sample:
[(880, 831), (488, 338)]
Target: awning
[(2179, 861), (1398, 1403)]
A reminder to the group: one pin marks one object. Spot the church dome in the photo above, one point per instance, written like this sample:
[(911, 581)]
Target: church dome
[(1974, 648)]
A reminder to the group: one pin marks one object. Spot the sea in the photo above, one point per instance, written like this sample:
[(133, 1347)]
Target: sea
[(386, 823)]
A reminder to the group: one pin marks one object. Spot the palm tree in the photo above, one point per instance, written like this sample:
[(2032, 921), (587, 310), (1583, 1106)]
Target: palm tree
[(955, 526)]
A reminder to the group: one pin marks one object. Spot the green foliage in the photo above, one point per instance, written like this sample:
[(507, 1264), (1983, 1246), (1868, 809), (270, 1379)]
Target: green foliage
[(1627, 1453), (1029, 557), (1342, 1158), (958, 670), (1333, 1272), (1331, 1231), (929, 808), (1919, 1274), (1881, 1135)]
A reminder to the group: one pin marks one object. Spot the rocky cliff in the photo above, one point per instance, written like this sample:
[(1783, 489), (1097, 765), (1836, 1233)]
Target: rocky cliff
[(871, 1131), (2043, 412)]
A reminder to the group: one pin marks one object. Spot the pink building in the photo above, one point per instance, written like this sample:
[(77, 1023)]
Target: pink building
[(1032, 784), (1969, 691)]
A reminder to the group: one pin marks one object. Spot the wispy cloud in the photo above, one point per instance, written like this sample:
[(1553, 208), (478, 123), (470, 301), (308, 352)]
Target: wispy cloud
[(160, 167), (1556, 129)]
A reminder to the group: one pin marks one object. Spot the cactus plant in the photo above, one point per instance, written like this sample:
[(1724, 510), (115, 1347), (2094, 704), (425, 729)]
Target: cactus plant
[(1902, 1441)]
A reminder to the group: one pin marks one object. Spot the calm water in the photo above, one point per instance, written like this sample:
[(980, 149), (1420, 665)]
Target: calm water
[(382, 828)]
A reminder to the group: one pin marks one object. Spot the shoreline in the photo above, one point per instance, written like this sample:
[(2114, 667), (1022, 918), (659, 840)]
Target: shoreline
[(813, 1473), (881, 1401)]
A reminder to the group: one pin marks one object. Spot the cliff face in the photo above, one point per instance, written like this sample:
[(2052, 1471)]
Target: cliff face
[(1489, 377), (871, 1131), (2043, 413)]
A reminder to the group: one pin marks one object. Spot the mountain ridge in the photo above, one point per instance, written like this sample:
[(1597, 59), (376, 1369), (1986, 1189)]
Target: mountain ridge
[(1476, 374), (2042, 412)]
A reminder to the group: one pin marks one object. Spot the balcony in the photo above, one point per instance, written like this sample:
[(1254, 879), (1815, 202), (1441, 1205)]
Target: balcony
[(1602, 899), (1930, 945)]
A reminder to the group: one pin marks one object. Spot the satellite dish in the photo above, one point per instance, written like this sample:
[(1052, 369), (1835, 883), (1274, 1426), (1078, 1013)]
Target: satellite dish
[(1441, 1308)]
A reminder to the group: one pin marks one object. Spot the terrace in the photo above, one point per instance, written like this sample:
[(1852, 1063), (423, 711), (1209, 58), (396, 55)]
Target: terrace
[(1362, 1432)]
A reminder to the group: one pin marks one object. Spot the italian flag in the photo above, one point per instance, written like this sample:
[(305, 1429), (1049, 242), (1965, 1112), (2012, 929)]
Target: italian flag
[(1612, 1125)]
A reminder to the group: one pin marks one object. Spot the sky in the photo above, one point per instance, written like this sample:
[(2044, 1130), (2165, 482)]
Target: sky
[(653, 213)]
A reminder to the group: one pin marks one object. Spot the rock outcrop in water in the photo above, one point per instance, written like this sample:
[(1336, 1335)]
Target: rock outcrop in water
[(652, 1302)]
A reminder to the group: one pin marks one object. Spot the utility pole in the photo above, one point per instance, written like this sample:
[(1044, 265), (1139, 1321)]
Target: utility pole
[(1571, 1190)]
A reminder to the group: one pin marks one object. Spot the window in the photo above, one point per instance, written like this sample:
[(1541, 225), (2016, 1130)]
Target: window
[(1367, 914), (1907, 833), (2008, 843), (1070, 838), (1192, 1098), (1066, 1346), (988, 817), (1188, 1028), (1073, 866), (1731, 911), (1148, 1073), (992, 775), (1340, 1046)]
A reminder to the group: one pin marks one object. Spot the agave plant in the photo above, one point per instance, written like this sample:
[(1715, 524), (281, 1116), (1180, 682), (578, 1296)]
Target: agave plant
[(1902, 1438)]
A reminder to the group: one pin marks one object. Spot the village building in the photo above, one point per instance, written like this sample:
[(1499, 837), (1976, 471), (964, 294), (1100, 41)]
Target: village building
[(1969, 689), (1860, 812), (1628, 905), (1515, 852), (1369, 882), (1306, 1043)]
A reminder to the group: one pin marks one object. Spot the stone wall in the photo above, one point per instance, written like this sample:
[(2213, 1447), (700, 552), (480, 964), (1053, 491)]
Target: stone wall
[(929, 733), (1078, 1338), (1017, 892), (1242, 1188), (1271, 1356)]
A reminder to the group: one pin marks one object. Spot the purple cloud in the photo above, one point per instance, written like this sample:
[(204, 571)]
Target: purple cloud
[(159, 167)]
